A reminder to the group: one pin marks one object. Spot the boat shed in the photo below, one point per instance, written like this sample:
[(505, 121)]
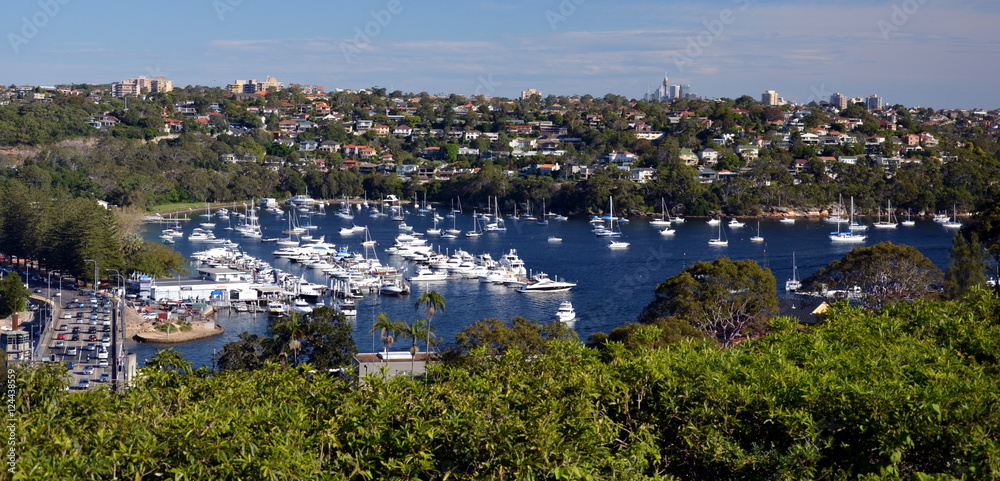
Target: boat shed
[(213, 284)]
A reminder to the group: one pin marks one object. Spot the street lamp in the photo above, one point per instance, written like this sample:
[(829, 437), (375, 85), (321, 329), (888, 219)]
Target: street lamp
[(118, 321), (120, 277), (95, 272)]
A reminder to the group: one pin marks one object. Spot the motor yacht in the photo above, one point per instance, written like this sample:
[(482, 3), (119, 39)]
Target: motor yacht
[(542, 283), (566, 313)]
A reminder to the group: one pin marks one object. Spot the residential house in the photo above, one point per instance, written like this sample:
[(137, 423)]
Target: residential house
[(748, 153), (329, 146), (523, 144), (288, 125), (308, 146), (809, 138), (403, 131), (643, 175), (688, 157), (381, 130), (620, 158), (173, 125), (362, 126), (707, 175), (709, 156), (432, 153), (549, 170)]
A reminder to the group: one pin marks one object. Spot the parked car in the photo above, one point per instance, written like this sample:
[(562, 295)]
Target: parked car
[(84, 383), (63, 327), (90, 347), (92, 337), (61, 337), (102, 354), (102, 363), (88, 370), (60, 344), (72, 351), (105, 377), (75, 337)]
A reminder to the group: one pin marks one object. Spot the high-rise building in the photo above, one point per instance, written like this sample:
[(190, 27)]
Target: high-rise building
[(674, 91), (254, 86), (840, 101), (769, 98), (526, 94), (873, 102), (137, 86)]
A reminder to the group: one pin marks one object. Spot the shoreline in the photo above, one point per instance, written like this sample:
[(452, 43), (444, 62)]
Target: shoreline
[(157, 337)]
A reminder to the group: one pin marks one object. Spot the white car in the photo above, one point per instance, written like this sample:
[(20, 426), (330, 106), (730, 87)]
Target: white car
[(102, 354)]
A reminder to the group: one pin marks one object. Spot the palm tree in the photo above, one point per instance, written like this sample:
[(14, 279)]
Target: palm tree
[(288, 333), (420, 328), (433, 302), (388, 330)]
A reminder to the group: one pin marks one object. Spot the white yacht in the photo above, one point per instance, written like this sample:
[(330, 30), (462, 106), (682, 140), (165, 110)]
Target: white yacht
[(347, 307), (848, 236), (554, 239), (663, 220), (566, 313), (721, 240), (735, 223), (277, 309), (426, 274), (394, 288), (542, 283), (793, 284), (301, 306), (618, 245)]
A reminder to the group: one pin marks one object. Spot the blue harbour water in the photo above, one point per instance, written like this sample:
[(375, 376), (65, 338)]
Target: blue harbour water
[(613, 286)]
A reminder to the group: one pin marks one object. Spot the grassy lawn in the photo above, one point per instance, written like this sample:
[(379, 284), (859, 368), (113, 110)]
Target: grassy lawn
[(187, 206)]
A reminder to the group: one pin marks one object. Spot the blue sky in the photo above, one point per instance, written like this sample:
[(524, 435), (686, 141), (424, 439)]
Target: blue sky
[(936, 53)]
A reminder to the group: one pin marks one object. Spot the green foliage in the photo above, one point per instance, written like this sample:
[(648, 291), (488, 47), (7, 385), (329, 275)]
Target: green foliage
[(722, 297), (321, 339), (13, 294), (881, 273), (967, 268), (908, 392), (495, 337)]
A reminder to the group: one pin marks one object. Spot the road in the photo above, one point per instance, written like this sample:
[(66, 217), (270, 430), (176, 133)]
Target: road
[(73, 326)]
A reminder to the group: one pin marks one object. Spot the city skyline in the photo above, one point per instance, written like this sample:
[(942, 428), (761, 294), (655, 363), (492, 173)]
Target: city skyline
[(914, 52)]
